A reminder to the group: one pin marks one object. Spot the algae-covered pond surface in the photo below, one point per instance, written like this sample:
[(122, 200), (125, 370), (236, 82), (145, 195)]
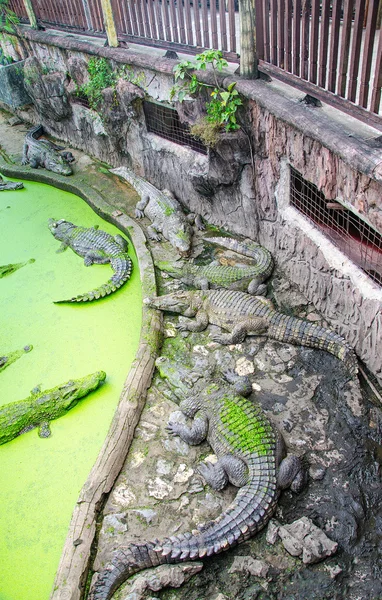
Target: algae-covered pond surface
[(40, 479)]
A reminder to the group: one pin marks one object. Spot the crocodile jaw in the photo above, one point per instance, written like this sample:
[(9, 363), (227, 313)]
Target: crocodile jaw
[(178, 302), (72, 391)]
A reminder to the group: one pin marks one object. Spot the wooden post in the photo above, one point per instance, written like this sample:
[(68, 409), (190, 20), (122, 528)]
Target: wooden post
[(108, 17), (31, 13), (248, 55)]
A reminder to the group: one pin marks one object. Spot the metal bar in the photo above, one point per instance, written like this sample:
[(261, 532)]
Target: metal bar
[(334, 39), (259, 15), (214, 27), (313, 49), (356, 49), (333, 99), (288, 35), (174, 26), (206, 35), (305, 39), (232, 25), (187, 10), (223, 25), (324, 38), (377, 83), (296, 36), (280, 32), (368, 46), (345, 45), (273, 21)]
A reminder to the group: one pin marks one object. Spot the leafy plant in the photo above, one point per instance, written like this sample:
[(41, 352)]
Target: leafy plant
[(8, 19), (222, 107), (101, 76)]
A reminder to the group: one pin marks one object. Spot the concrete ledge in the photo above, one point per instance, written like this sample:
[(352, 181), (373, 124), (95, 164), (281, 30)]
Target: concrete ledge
[(73, 569)]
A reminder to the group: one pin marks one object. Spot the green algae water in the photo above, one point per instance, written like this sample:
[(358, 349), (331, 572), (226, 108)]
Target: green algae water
[(40, 479)]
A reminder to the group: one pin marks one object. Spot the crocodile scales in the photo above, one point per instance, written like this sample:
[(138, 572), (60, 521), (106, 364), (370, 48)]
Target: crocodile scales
[(239, 277), (164, 211), (43, 153), (95, 246), (250, 454), (242, 314)]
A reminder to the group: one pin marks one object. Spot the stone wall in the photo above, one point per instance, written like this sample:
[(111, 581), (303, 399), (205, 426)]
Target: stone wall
[(243, 184)]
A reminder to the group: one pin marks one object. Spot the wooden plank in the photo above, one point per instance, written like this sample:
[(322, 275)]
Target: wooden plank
[(222, 23), (187, 11), (259, 13), (345, 46), (296, 36), (356, 49), (174, 23), (133, 17), (146, 19), (232, 25), (138, 8), (334, 39), (158, 13), (273, 28), (305, 22), (153, 25), (214, 26), (206, 35), (324, 38), (166, 19), (368, 46), (198, 32), (377, 83), (288, 36), (313, 48), (280, 32)]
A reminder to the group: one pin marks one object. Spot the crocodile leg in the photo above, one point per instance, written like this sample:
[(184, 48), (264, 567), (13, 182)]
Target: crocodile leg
[(198, 324), (140, 207), (257, 288), (153, 232), (239, 332), (193, 435), (96, 256), (122, 242), (291, 474), (227, 469)]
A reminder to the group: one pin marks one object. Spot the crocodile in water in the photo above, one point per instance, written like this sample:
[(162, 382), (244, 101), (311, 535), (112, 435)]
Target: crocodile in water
[(95, 246), (11, 357), (42, 153), (164, 211), (10, 185), (11, 268), (242, 314), (42, 407), (250, 455), (214, 275)]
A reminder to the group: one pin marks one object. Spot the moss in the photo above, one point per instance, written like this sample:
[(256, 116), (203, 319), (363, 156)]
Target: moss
[(206, 131), (246, 433)]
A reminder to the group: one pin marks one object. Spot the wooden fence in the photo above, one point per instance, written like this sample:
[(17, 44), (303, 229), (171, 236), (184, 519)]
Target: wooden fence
[(331, 49)]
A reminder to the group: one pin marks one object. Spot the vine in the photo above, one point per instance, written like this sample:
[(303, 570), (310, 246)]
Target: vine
[(8, 19), (223, 104)]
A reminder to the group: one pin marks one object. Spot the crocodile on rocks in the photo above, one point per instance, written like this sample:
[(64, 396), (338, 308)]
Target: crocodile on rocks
[(242, 314), (43, 153), (214, 275), (250, 454), (10, 185), (164, 211), (95, 246), (42, 407)]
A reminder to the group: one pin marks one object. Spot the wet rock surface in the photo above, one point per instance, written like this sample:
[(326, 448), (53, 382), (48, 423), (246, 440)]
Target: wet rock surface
[(326, 417)]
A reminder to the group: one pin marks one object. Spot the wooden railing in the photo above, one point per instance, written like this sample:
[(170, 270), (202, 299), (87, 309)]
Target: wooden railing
[(331, 49)]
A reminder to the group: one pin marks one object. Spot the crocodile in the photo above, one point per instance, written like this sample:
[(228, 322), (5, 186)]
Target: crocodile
[(11, 357), (41, 407), (251, 456), (43, 153), (11, 268), (242, 314), (164, 211), (95, 246), (10, 185)]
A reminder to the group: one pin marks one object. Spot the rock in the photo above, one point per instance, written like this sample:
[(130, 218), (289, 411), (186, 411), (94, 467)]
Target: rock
[(247, 564), (316, 472), (14, 121), (302, 537), (272, 531), (244, 366)]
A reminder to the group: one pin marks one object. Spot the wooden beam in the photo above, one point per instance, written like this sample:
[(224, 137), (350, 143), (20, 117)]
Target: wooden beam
[(248, 56), (108, 17), (31, 13)]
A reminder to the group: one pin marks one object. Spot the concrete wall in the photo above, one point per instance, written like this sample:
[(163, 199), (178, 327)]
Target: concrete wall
[(247, 193)]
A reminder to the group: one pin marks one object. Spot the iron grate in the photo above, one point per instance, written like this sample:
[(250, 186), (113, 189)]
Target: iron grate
[(353, 236), (165, 122)]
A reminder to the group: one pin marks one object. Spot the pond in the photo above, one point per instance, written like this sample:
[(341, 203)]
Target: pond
[(41, 478)]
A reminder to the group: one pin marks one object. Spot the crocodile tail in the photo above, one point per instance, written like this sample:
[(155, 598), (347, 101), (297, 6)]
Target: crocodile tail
[(126, 562), (248, 248), (292, 330), (122, 267)]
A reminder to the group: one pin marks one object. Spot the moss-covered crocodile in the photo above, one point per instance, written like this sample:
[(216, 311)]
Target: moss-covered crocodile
[(10, 185), (11, 268), (42, 407), (43, 153), (164, 211), (250, 454), (7, 359), (95, 246), (242, 314), (214, 275)]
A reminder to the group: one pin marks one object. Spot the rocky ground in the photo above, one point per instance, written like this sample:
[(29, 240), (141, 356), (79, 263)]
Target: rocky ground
[(332, 421)]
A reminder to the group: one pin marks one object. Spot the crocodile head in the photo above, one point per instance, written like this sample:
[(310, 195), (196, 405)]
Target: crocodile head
[(57, 164), (180, 236), (178, 302), (60, 229), (69, 393)]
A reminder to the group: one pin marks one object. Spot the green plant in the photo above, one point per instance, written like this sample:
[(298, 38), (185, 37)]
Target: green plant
[(223, 104), (8, 19), (101, 76)]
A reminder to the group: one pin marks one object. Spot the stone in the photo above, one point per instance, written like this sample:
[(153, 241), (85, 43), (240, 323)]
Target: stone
[(247, 564), (303, 539), (316, 472), (14, 121), (244, 366), (272, 531)]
